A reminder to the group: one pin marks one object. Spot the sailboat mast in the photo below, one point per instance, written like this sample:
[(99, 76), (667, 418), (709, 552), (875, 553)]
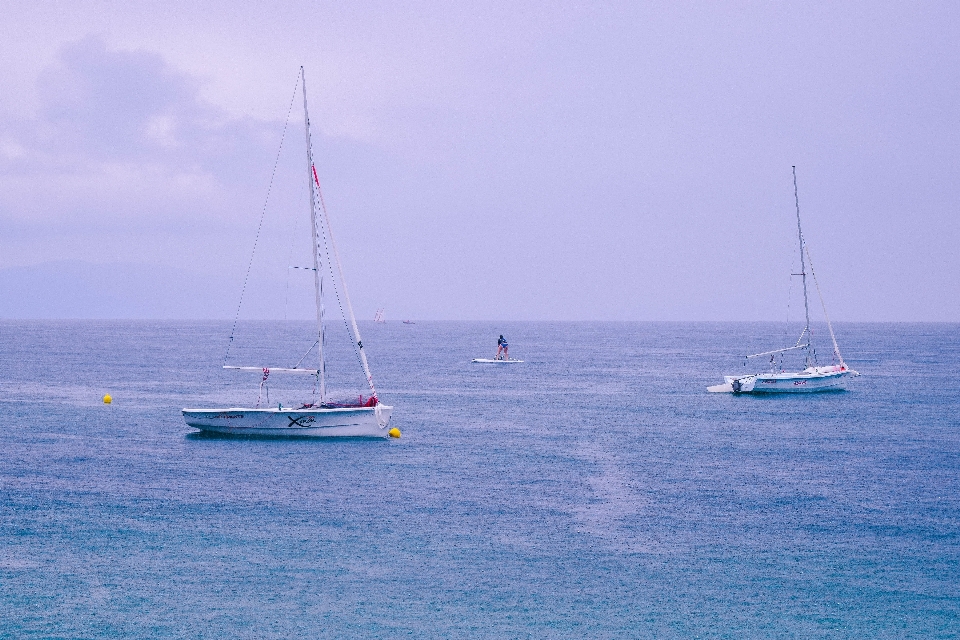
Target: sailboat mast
[(317, 276), (803, 265)]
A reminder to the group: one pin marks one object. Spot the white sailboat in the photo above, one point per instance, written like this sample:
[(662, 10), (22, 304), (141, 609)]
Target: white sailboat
[(321, 416), (813, 377)]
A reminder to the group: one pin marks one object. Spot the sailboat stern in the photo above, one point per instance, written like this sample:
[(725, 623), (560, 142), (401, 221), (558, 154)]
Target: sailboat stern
[(726, 387), (735, 385)]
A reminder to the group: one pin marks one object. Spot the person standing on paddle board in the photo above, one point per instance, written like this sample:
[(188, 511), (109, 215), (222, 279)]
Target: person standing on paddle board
[(503, 348)]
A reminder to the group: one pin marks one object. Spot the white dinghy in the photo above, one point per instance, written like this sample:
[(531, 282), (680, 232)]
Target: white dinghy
[(813, 377), (322, 416)]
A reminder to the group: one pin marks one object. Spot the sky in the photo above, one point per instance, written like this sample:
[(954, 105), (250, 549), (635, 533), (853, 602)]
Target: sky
[(496, 160)]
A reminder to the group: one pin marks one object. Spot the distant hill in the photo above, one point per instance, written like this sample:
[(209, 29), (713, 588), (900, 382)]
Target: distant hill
[(72, 289)]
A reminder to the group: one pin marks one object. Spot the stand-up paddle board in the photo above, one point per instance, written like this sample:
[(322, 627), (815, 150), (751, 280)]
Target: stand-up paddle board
[(495, 361)]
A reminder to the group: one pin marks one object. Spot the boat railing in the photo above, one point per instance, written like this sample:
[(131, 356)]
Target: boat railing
[(311, 372), (768, 353)]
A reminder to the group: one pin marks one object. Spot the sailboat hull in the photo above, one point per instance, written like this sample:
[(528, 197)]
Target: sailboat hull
[(362, 422), (810, 380)]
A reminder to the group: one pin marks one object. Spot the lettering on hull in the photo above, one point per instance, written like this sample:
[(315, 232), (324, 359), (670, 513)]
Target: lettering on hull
[(302, 421)]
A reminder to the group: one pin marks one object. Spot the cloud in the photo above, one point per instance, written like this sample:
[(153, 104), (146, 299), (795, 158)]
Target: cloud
[(121, 136), (107, 104), (124, 174), (605, 162)]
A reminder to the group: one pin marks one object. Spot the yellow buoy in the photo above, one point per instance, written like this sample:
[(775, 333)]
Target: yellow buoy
[(394, 433), (107, 399)]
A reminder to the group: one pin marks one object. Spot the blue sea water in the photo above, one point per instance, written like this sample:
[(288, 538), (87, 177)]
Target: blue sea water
[(596, 490)]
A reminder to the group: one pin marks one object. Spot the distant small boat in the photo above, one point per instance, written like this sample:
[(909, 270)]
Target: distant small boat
[(409, 322), (813, 377), (378, 317), (496, 361)]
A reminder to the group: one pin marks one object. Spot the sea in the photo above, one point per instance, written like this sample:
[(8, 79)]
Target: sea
[(594, 491)]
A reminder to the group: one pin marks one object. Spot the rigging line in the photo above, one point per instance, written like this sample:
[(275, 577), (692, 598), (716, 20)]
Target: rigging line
[(297, 366), (333, 278), (836, 348), (358, 342), (263, 214)]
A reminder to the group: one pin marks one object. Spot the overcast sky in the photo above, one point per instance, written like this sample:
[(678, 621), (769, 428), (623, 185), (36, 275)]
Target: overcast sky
[(554, 160)]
